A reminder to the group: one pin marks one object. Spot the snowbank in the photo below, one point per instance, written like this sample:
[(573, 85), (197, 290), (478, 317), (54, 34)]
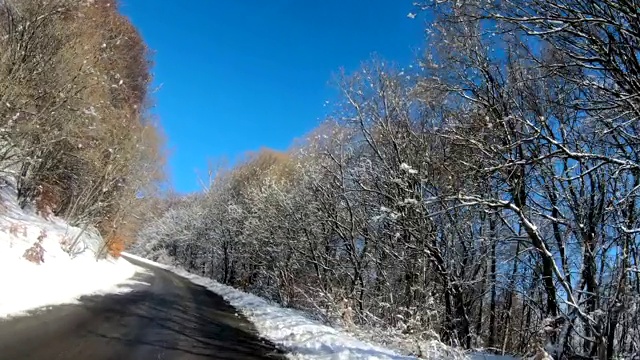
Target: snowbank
[(290, 329), (62, 277)]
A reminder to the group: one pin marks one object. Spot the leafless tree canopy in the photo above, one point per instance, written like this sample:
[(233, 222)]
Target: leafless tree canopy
[(486, 196)]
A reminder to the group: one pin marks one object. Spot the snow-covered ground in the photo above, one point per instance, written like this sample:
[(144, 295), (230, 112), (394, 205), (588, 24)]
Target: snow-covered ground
[(293, 331), (64, 276)]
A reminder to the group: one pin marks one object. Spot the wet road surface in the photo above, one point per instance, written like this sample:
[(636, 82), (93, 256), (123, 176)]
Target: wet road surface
[(170, 318)]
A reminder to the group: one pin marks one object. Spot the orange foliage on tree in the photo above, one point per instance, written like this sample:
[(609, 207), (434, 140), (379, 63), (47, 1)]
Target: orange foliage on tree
[(266, 163), (116, 244)]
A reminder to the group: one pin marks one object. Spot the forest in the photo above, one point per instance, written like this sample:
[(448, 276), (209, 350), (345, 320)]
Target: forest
[(76, 138), (485, 195)]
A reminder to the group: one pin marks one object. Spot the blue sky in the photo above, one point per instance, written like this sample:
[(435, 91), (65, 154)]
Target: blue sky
[(238, 75)]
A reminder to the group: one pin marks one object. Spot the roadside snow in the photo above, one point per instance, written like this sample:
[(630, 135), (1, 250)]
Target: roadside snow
[(290, 329), (61, 278)]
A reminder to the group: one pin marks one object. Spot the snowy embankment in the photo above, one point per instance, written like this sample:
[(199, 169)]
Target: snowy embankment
[(66, 272), (291, 329)]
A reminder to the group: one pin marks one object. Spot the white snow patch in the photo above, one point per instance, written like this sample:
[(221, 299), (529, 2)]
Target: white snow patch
[(406, 167), (288, 328), (408, 202), (63, 277)]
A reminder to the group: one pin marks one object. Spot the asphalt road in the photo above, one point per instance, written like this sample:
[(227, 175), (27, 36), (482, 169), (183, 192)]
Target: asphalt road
[(170, 318)]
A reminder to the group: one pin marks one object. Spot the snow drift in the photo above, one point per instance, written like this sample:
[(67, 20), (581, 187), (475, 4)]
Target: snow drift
[(68, 268)]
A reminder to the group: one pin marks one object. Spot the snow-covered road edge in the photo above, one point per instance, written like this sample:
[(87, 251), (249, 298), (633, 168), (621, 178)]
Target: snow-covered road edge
[(59, 275), (287, 328)]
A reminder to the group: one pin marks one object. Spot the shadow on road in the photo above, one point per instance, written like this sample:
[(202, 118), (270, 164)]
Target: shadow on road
[(209, 329), (171, 318)]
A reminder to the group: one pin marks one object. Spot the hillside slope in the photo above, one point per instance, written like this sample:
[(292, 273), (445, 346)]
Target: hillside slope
[(58, 271)]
